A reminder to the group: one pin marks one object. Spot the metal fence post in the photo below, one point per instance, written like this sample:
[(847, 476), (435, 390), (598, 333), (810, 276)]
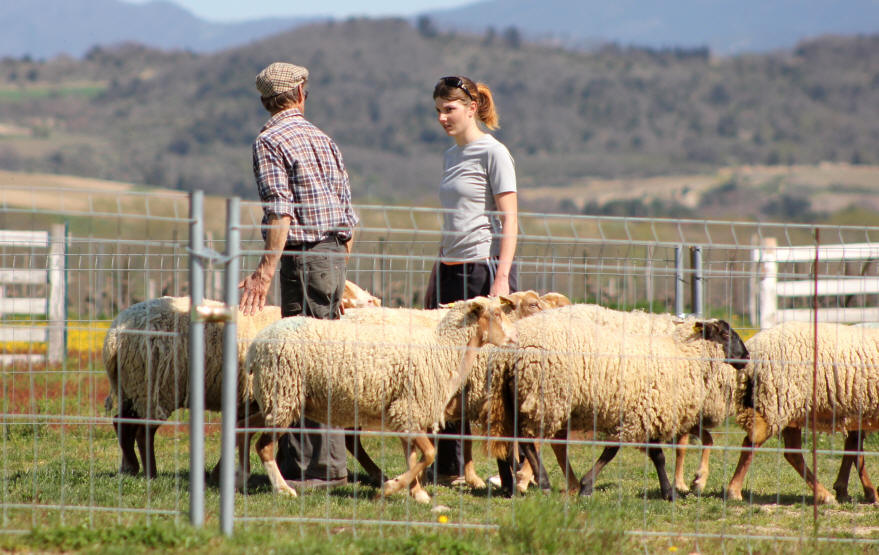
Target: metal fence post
[(679, 280), (696, 286), (196, 360), (230, 369)]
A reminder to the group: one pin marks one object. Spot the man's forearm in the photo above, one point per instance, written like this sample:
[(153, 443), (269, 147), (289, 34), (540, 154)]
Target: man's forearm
[(276, 238)]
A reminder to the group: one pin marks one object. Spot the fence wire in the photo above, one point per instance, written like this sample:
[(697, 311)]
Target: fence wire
[(60, 456)]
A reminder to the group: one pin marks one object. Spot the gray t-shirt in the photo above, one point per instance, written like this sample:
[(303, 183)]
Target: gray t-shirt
[(472, 176)]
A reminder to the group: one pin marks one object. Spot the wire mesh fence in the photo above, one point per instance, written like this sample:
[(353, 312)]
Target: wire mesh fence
[(60, 455)]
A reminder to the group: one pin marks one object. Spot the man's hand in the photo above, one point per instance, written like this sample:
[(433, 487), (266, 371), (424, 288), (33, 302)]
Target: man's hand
[(255, 287), (255, 290)]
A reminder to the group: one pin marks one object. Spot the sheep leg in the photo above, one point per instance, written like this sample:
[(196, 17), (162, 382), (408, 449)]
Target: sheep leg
[(355, 446), (415, 490), (734, 489), (701, 477), (850, 457), (242, 444), (126, 433), (854, 447), (529, 449), (870, 493), (470, 475), (265, 448), (524, 476), (680, 455), (588, 481), (793, 442), (658, 458), (560, 450), (145, 436), (416, 467)]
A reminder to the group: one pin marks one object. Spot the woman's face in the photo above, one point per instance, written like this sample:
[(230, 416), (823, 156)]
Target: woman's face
[(454, 116)]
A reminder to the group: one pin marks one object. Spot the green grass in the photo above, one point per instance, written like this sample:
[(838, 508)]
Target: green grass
[(61, 493)]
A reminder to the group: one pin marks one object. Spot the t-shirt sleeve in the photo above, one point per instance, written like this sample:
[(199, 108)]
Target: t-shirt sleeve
[(501, 170)]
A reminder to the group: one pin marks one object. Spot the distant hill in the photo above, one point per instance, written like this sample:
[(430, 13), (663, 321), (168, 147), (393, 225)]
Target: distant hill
[(186, 121), (724, 26), (51, 27)]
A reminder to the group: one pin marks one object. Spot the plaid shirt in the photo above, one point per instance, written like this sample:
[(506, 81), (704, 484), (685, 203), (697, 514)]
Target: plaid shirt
[(300, 173)]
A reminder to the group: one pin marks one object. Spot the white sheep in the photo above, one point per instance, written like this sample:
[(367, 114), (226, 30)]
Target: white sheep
[(717, 402), (775, 395), (571, 373), (345, 374), (355, 296), (146, 357), (475, 391)]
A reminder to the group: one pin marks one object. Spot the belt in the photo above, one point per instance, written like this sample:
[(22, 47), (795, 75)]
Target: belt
[(331, 239)]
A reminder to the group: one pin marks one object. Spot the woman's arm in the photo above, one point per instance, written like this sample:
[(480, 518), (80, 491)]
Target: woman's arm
[(508, 206)]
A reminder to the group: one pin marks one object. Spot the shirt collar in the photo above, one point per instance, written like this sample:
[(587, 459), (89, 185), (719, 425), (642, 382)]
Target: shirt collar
[(289, 113)]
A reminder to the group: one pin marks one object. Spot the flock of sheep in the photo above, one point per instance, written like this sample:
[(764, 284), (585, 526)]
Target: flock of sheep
[(522, 368)]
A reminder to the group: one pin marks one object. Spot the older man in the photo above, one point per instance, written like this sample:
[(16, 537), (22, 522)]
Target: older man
[(308, 225)]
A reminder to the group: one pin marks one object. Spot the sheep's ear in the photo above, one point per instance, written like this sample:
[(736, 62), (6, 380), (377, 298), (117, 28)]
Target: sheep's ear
[(713, 330), (476, 307), (446, 305), (507, 304)]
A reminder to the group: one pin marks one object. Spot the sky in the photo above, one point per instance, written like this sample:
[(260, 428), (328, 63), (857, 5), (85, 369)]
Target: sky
[(238, 10)]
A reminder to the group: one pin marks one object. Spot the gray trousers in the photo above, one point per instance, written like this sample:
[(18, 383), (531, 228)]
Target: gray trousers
[(312, 281)]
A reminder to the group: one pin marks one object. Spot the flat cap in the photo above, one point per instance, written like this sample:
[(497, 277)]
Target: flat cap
[(280, 77)]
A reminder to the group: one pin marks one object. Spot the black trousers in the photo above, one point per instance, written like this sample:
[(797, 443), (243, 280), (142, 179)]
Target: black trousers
[(454, 283), (312, 281)]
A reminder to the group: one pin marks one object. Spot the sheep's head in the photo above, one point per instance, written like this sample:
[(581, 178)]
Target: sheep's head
[(529, 303), (555, 300), (493, 322), (720, 332), (355, 296)]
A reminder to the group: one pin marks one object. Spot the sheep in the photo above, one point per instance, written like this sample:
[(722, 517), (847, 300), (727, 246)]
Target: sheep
[(526, 304), (716, 406), (146, 357), (355, 296), (774, 394), (349, 375), (570, 372)]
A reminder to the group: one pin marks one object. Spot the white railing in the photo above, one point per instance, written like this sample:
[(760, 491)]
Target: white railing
[(52, 306), (770, 288)]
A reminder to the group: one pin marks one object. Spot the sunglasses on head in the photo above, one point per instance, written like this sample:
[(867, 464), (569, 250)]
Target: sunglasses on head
[(456, 83)]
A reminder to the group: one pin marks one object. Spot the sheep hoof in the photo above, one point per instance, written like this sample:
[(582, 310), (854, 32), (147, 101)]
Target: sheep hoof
[(421, 496), (842, 494), (286, 491), (390, 487)]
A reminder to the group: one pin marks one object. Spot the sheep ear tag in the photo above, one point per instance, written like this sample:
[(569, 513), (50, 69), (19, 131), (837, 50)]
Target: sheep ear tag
[(507, 304)]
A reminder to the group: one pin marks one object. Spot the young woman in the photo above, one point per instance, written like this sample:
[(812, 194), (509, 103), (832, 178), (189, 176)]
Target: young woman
[(480, 222)]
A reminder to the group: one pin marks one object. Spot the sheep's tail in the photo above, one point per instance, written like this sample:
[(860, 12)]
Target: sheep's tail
[(500, 414), (110, 357)]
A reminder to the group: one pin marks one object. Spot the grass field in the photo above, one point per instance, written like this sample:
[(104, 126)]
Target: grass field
[(61, 492)]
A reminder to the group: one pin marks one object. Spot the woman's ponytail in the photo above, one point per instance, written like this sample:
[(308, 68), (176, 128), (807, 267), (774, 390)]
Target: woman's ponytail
[(486, 111)]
